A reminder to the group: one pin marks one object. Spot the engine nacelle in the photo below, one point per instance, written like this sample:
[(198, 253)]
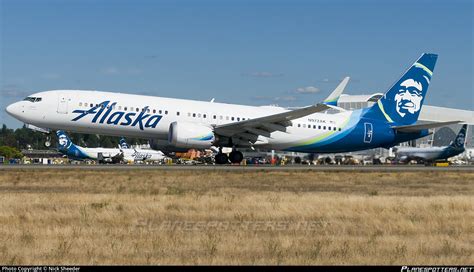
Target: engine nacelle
[(190, 135)]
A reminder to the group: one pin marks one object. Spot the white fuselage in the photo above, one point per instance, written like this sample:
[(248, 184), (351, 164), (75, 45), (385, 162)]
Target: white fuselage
[(132, 154), (93, 153), (58, 109)]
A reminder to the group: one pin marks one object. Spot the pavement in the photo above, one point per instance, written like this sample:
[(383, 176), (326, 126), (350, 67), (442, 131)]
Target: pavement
[(335, 168)]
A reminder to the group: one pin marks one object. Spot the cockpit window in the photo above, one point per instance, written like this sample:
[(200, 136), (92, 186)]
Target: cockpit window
[(32, 99)]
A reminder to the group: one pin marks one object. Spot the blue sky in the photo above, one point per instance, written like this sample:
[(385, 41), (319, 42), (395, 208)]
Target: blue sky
[(290, 53)]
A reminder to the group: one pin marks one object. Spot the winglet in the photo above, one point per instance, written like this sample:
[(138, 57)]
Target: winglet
[(334, 96)]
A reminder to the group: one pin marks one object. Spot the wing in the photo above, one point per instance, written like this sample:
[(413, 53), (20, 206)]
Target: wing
[(247, 132)]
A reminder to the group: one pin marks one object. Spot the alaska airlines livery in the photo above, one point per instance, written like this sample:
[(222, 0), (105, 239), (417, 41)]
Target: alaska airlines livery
[(115, 155), (429, 155), (179, 124)]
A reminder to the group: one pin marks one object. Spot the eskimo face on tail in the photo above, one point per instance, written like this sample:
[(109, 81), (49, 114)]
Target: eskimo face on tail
[(460, 140), (408, 99), (407, 96), (401, 104), (63, 141)]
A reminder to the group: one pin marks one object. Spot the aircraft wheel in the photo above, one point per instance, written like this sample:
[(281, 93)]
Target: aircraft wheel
[(236, 157), (297, 160), (221, 158)]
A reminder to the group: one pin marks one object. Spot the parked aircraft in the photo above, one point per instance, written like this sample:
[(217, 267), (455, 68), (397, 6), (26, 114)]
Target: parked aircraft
[(181, 124), (139, 154), (68, 148), (429, 155)]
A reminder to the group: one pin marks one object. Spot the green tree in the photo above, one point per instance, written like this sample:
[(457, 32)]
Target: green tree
[(10, 152)]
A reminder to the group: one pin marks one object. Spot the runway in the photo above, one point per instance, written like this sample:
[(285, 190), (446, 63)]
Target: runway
[(233, 168)]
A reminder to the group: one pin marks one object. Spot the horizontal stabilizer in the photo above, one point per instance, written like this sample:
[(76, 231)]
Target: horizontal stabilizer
[(416, 128)]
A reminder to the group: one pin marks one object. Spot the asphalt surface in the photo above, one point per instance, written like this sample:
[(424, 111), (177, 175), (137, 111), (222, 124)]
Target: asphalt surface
[(335, 168)]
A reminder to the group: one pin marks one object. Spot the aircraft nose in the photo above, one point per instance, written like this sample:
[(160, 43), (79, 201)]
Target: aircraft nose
[(13, 109)]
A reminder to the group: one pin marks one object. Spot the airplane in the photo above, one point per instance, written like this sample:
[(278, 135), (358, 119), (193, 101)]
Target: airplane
[(432, 154), (182, 124), (139, 154), (103, 155)]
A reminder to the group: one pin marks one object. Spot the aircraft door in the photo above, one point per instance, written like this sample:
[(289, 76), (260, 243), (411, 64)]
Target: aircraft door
[(63, 103)]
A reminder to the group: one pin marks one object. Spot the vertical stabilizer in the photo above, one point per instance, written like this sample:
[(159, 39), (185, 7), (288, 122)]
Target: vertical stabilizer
[(402, 103)]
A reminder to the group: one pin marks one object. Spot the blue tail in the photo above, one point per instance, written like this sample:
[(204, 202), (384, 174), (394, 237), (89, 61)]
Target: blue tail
[(460, 140), (123, 144), (64, 142), (401, 104)]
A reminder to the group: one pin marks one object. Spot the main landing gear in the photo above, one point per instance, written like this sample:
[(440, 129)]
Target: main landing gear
[(221, 158), (234, 157)]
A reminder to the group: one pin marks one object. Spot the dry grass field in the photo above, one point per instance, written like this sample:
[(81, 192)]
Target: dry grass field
[(153, 216)]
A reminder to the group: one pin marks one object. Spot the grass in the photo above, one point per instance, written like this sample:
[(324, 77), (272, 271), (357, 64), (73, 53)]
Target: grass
[(218, 217)]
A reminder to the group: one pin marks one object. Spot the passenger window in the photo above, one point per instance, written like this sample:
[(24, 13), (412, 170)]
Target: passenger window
[(137, 109), (125, 108), (120, 108), (238, 118), (214, 117), (334, 128), (177, 113), (194, 115), (189, 114), (80, 104), (227, 118), (324, 127), (148, 110), (159, 111), (220, 117), (314, 126), (204, 116), (154, 111), (299, 125), (199, 115), (166, 112), (319, 127), (232, 118), (340, 129)]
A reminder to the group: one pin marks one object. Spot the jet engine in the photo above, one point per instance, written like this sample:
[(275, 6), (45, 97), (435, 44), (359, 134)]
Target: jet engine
[(190, 135)]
